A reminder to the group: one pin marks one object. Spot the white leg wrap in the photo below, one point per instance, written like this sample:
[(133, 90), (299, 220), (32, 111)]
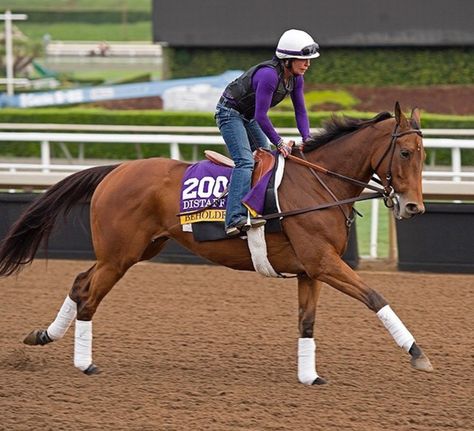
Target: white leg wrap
[(307, 361), (63, 320), (83, 344), (397, 329)]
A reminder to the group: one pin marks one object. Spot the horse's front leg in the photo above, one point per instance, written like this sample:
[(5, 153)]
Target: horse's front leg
[(340, 276), (308, 295)]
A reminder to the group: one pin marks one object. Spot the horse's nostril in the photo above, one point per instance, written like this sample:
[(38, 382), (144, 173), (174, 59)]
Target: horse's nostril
[(412, 208)]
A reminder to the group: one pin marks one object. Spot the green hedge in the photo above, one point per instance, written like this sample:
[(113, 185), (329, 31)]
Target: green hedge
[(167, 118), (170, 118), (374, 67), (104, 116)]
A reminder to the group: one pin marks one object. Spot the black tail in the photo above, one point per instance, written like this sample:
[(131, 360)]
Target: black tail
[(19, 247)]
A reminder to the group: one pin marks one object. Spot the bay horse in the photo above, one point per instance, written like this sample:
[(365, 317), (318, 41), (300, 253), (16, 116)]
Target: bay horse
[(134, 207)]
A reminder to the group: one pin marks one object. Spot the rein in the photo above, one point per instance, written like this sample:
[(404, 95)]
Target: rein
[(385, 191), (320, 207), (318, 168)]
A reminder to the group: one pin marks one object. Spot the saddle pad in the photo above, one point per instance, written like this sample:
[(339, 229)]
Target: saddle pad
[(204, 185), (211, 231)]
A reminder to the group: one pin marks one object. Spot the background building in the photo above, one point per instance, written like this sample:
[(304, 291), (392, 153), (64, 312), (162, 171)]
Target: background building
[(334, 23)]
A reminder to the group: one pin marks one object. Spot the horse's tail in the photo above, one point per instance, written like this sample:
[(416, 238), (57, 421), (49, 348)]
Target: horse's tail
[(34, 226)]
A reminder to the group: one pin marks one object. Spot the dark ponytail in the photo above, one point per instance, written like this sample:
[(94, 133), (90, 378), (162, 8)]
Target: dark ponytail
[(288, 62)]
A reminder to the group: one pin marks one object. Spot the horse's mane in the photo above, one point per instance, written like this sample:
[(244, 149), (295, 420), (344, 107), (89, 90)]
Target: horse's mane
[(338, 126)]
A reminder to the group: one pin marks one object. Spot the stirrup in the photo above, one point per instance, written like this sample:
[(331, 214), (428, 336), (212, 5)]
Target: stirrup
[(239, 228), (232, 231), (257, 222)]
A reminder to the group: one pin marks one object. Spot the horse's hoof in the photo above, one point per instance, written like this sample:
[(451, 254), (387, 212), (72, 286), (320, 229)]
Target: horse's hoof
[(92, 369), (319, 381), (38, 337), (31, 338), (422, 363)]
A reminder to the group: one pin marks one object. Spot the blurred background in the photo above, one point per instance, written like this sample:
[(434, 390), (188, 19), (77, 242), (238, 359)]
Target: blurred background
[(371, 52), (143, 66)]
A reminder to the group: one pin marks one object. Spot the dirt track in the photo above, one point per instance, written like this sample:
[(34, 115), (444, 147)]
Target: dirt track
[(203, 347)]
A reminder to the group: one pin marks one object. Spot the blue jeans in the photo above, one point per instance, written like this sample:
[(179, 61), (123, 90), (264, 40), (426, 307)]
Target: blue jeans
[(242, 137)]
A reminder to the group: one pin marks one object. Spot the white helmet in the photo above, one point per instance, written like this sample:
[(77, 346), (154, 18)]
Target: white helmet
[(296, 44)]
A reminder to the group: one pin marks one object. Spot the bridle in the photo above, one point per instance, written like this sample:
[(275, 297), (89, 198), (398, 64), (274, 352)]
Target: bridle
[(386, 191)]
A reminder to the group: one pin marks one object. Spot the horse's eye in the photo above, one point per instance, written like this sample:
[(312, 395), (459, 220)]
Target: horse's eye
[(405, 154)]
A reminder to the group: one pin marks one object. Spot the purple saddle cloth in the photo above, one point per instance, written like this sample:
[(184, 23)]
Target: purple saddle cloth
[(202, 189), (202, 204)]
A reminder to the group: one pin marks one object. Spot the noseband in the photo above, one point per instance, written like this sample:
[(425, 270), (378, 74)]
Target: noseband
[(388, 191)]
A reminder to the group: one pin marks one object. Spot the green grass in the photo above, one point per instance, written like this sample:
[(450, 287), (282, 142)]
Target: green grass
[(363, 229), (76, 4), (116, 31), (137, 31)]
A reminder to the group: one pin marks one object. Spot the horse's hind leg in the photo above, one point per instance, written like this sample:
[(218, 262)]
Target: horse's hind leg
[(343, 278), (88, 294), (88, 289), (66, 314), (308, 295)]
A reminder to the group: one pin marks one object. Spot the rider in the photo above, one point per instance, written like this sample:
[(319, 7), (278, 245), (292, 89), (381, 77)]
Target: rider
[(241, 116)]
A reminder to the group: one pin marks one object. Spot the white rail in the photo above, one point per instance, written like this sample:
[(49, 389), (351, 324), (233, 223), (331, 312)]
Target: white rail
[(175, 140), (183, 129), (452, 184), (113, 49), (47, 138)]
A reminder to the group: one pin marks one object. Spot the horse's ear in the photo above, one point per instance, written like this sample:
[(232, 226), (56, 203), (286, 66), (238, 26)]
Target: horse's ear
[(415, 119), (399, 116)]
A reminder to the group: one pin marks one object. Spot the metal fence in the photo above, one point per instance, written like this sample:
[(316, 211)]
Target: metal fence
[(455, 182)]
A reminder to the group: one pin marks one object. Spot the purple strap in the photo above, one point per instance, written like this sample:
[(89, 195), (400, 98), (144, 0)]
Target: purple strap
[(265, 83)]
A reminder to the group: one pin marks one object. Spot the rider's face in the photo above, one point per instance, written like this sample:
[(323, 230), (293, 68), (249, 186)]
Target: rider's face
[(300, 66)]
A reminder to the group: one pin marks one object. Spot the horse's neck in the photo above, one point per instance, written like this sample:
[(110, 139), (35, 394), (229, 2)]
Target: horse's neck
[(351, 156)]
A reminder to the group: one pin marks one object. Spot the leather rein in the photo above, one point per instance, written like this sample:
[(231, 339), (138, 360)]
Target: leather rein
[(384, 191)]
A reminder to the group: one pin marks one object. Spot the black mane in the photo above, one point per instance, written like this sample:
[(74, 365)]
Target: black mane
[(339, 126)]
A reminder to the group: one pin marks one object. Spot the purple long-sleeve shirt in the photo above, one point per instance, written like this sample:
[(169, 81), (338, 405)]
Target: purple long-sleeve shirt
[(265, 82)]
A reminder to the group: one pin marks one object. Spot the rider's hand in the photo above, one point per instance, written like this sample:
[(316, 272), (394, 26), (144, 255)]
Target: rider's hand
[(285, 147)]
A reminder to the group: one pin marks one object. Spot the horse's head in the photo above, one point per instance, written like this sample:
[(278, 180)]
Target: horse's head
[(400, 166)]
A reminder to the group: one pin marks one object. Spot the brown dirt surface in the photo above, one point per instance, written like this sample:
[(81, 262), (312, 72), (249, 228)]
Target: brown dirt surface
[(454, 99), (435, 99), (207, 348)]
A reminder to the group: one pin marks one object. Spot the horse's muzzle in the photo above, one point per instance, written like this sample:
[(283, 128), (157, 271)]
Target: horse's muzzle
[(406, 209)]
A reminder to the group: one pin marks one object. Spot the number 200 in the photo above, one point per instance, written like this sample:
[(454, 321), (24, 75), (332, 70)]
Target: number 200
[(205, 187)]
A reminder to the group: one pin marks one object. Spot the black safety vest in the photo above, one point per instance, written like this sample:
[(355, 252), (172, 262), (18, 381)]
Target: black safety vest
[(241, 94)]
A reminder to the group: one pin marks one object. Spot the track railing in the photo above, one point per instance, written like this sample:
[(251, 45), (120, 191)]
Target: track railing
[(455, 182)]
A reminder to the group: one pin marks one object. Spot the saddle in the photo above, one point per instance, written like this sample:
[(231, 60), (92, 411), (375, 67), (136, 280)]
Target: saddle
[(264, 162), (203, 201)]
